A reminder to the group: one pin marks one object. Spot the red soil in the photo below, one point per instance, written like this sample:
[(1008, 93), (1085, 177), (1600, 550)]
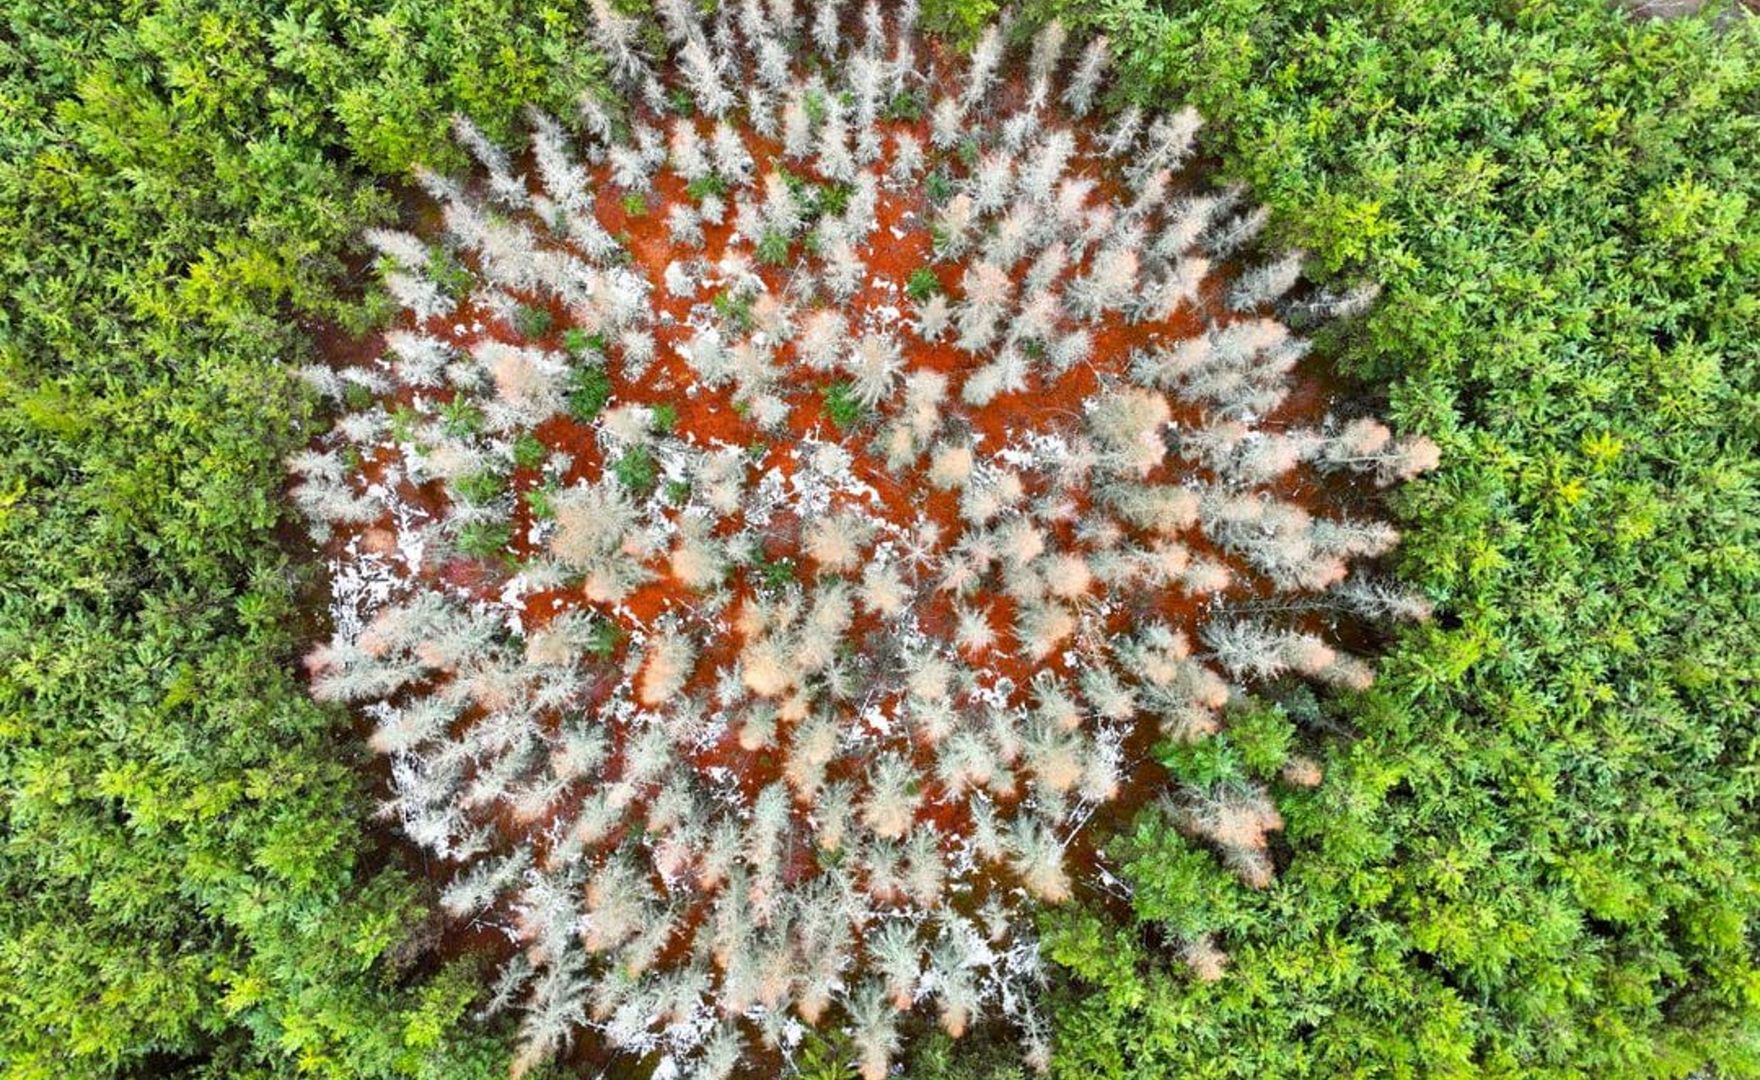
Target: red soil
[(708, 416)]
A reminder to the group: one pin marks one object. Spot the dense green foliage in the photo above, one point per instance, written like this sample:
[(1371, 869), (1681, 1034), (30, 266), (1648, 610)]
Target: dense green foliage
[(1535, 855), (958, 20), (185, 881), (1535, 851)]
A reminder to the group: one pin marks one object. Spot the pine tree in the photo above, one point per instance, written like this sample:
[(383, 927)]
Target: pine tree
[(987, 292), (782, 213), (1121, 137), (419, 359), (963, 760), (702, 69), (1170, 140), (1054, 756), (833, 815), (629, 168), (946, 123), (763, 841), (1012, 236), (618, 40), (669, 662), (1407, 458), (1085, 82), (1269, 455), (904, 54), (761, 104), (786, 18), (680, 20), (826, 14), (1204, 577), (875, 1031), (1382, 600), (823, 333), (992, 180), (835, 158), (554, 1007), (898, 958), (1100, 774), (1068, 576), (1041, 627), (1109, 283), (477, 889), (1230, 236), (986, 834), (1047, 48), (907, 160), (873, 27), (1332, 304), (1007, 374), (1037, 856), (1127, 423), (698, 560), (1262, 652), (733, 162), (405, 248), (836, 542), (754, 21), (874, 366), (981, 72), (685, 227), (1266, 282), (596, 523), (933, 316), (685, 146), (1348, 672), (867, 79), (1351, 539), (1042, 175), (883, 590), (506, 187), (956, 991), (797, 125), (845, 271), (1236, 819), (403, 729), (890, 804)]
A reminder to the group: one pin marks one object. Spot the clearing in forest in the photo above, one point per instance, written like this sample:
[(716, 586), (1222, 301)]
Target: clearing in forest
[(783, 514)]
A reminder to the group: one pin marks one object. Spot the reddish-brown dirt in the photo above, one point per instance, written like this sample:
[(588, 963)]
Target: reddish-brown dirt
[(709, 416)]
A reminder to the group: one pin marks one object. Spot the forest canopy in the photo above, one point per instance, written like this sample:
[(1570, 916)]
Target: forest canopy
[(1533, 849)]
